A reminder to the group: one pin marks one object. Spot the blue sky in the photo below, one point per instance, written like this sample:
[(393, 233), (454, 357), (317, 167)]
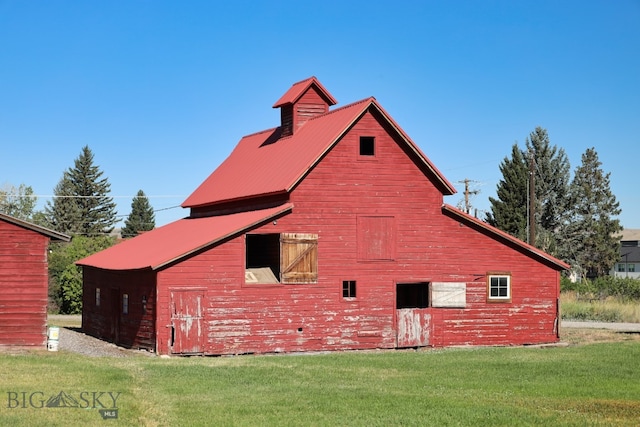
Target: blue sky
[(161, 91)]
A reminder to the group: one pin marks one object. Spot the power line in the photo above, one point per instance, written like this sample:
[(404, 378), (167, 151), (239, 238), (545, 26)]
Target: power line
[(53, 196)]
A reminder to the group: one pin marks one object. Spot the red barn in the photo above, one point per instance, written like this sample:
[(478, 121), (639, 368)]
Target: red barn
[(328, 232), (24, 280)]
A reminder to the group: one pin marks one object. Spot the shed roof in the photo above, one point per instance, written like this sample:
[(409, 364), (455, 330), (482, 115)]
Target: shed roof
[(164, 245), (33, 227), (265, 164), (531, 250)]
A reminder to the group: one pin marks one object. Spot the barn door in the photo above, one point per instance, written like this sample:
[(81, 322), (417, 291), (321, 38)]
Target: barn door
[(187, 333), (299, 258), (413, 315)]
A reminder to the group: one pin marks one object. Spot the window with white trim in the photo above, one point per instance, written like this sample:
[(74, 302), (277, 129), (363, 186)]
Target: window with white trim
[(499, 287)]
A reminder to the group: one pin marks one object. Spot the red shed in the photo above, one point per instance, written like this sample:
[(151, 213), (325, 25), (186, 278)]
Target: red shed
[(24, 280), (328, 232)]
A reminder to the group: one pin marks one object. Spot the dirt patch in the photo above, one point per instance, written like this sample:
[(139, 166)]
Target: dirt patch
[(579, 336)]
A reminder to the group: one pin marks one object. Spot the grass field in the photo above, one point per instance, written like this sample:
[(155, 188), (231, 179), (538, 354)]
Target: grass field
[(593, 381), (610, 309)]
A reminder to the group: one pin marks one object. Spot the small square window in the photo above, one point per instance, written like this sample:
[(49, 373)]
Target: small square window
[(620, 267), (348, 288), (631, 268), (367, 146), (499, 287)]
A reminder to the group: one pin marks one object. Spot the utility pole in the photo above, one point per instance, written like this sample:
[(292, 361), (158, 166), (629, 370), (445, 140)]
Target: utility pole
[(532, 200), (467, 193)]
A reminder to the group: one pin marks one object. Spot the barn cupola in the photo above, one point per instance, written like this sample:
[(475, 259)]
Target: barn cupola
[(302, 102)]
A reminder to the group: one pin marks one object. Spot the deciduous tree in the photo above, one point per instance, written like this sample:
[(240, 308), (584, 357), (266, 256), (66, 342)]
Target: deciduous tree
[(18, 202)]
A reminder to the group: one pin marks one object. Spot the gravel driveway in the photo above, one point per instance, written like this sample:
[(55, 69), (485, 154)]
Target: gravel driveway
[(71, 339)]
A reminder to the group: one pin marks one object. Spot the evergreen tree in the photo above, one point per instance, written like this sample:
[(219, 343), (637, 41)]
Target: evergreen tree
[(63, 213), (141, 217), (591, 225), (509, 210), (552, 173), (82, 204), (19, 202)]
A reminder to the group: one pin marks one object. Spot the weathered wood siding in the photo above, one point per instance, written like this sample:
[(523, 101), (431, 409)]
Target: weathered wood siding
[(310, 105), (427, 246), (107, 318), (23, 286)]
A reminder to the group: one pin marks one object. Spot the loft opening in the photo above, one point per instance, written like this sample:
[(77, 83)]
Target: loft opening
[(281, 258), (367, 146), (412, 295)]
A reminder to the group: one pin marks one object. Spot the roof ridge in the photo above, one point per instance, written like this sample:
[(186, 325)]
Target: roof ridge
[(304, 80), (336, 110)]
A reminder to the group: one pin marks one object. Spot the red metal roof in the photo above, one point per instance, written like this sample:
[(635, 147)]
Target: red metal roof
[(264, 164), (499, 233), (298, 89), (161, 246)]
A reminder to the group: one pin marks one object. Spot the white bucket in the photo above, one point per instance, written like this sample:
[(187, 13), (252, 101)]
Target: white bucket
[(52, 345), (53, 335)]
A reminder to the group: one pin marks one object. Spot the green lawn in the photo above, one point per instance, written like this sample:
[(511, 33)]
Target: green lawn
[(596, 384)]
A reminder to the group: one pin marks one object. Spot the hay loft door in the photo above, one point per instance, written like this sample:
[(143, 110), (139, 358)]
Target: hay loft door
[(187, 333)]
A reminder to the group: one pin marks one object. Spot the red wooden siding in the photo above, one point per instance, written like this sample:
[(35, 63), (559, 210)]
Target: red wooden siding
[(426, 245), (375, 220), (133, 329), (23, 286)]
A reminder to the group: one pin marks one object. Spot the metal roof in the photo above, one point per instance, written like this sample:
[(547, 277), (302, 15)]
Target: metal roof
[(299, 88), (38, 229), (265, 164), (532, 250), (164, 245)]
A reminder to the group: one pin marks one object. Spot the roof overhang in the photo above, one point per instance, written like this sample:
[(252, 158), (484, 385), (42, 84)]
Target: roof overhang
[(33, 227), (166, 245)]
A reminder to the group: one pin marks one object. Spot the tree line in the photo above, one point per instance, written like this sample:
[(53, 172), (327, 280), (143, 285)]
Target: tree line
[(82, 208), (575, 219)]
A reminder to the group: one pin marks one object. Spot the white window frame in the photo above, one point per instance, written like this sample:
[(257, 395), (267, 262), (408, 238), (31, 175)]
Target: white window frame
[(490, 286)]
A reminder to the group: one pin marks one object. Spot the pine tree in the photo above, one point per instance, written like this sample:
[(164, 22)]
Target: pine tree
[(141, 217), (82, 204), (591, 225), (552, 173), (63, 213), (509, 210)]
